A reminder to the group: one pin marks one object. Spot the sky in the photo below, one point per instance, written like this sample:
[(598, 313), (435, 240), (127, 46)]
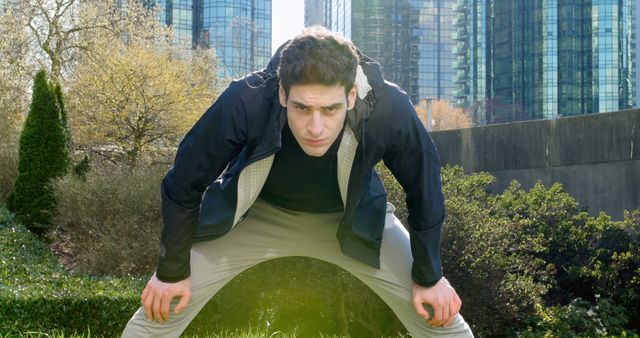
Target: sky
[(287, 20)]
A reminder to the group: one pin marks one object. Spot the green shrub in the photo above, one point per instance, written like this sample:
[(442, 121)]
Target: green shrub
[(580, 318), (37, 295), (110, 221), (492, 261), (8, 168), (43, 156), (518, 257), (590, 255), (82, 168)]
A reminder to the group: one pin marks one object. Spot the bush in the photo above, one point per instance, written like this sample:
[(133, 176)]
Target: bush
[(8, 168), (519, 258), (110, 221), (491, 260), (580, 318), (43, 156), (36, 294)]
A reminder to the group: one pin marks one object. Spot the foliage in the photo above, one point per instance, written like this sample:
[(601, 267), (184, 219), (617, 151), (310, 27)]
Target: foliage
[(59, 32), (580, 318), (244, 333), (81, 169), (495, 255), (42, 157), (8, 168), (590, 255), (532, 262), (36, 294), (110, 222), (14, 100), (283, 302), (127, 108), (443, 116), (16, 74)]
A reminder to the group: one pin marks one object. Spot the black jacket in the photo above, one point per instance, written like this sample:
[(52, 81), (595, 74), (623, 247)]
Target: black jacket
[(206, 192)]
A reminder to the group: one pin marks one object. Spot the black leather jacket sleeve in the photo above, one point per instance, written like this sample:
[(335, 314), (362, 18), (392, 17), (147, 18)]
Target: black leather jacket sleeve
[(202, 155), (412, 158)]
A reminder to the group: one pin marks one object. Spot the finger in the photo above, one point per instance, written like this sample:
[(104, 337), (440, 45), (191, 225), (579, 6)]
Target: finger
[(144, 294), (157, 302), (451, 318), (184, 301), (437, 315), (420, 310), (445, 314), (164, 308), (454, 309), (147, 303)]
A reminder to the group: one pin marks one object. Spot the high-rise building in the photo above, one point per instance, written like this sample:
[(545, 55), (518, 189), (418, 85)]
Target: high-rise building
[(412, 40), (314, 12), (238, 30), (521, 59), (637, 68)]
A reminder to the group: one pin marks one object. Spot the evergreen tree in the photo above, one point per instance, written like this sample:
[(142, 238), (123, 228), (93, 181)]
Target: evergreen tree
[(43, 156), (65, 127)]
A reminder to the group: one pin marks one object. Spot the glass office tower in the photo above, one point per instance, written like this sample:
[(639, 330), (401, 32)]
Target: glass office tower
[(637, 42), (314, 13), (238, 30), (520, 60), (412, 40)]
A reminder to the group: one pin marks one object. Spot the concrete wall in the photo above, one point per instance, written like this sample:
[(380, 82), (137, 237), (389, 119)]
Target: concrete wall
[(596, 157)]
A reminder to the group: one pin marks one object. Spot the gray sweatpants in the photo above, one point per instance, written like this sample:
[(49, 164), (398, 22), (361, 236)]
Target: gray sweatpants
[(269, 232)]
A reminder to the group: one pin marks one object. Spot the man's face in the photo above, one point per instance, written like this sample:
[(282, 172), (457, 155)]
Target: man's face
[(316, 114)]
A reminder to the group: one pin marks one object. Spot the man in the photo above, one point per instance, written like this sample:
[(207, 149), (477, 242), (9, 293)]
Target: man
[(282, 165)]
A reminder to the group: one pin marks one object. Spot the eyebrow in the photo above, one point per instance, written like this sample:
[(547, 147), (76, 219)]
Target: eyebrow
[(335, 105)]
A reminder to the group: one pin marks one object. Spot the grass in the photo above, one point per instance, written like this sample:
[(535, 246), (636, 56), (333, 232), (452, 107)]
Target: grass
[(38, 298), (225, 334)]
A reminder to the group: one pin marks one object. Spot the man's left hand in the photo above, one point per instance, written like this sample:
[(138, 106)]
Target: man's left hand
[(442, 297)]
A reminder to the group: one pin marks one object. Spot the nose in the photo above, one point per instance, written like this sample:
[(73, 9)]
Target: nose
[(316, 125)]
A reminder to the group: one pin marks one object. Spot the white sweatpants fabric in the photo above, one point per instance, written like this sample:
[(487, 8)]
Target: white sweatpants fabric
[(269, 232)]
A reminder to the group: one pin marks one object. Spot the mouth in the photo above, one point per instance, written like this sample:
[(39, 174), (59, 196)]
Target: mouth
[(315, 143)]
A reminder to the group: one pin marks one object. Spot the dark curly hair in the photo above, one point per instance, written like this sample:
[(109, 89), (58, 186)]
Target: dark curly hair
[(319, 56)]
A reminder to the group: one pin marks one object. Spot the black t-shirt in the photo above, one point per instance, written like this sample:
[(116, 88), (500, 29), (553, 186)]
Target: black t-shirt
[(301, 182)]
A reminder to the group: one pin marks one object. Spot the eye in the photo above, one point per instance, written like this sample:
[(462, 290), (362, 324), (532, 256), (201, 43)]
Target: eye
[(330, 110), (301, 108)]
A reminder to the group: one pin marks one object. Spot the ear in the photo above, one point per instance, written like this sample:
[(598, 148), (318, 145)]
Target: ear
[(351, 97), (283, 96)]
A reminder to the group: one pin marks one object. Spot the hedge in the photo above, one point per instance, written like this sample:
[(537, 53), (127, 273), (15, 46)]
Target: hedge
[(37, 295)]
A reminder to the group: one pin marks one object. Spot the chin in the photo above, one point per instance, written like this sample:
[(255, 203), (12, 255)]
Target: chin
[(315, 152)]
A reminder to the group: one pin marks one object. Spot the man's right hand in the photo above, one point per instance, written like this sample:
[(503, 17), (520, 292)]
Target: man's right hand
[(157, 295)]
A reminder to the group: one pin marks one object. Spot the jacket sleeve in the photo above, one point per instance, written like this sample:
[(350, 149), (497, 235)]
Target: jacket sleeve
[(202, 155), (413, 160)]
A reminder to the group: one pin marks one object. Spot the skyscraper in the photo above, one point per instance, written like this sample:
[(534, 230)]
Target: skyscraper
[(521, 59), (313, 12), (238, 30), (412, 40), (637, 69)]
